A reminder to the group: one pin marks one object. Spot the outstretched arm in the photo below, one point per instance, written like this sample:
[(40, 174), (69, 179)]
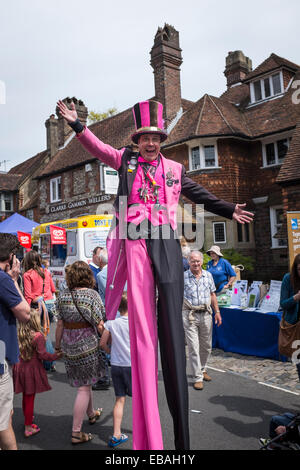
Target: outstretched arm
[(91, 143), (242, 216), (199, 195)]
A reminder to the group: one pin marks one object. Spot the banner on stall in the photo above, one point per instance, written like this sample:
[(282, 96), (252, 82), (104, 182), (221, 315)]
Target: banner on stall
[(293, 225), (58, 235), (24, 239)]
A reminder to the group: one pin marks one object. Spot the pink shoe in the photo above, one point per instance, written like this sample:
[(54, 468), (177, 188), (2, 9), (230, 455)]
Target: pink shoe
[(34, 430)]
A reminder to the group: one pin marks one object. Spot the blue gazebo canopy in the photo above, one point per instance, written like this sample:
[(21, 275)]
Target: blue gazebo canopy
[(17, 222)]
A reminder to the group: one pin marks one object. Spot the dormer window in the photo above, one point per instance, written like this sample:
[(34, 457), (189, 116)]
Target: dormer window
[(266, 87)]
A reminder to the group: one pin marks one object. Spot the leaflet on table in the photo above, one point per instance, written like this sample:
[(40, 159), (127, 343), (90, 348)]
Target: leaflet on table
[(239, 293), (254, 294), (271, 301)]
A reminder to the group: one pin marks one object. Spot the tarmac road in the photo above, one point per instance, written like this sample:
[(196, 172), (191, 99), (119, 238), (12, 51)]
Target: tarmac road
[(234, 412)]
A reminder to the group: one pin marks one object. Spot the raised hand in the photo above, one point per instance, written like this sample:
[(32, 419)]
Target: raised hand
[(70, 115), (242, 216), (15, 269)]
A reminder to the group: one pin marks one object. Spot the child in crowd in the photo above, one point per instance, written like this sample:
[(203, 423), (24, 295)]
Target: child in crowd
[(116, 333), (29, 374)]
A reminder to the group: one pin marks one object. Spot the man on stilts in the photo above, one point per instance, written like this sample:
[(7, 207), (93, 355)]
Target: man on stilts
[(149, 256)]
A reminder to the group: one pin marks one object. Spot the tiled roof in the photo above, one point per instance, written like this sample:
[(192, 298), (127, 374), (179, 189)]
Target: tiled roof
[(9, 182), (26, 168), (238, 94), (209, 116), (271, 63), (115, 131), (272, 116)]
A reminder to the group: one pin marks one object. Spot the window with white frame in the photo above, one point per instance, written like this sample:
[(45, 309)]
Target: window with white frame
[(203, 156), (219, 231), (55, 189), (6, 202), (276, 220), (266, 87), (274, 152)]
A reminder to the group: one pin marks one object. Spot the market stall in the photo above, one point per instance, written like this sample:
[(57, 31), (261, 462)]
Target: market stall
[(250, 320)]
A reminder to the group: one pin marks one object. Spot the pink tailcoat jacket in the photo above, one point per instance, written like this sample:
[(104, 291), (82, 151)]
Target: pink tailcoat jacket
[(119, 159)]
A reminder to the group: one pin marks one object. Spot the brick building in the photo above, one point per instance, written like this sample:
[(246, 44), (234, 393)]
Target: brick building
[(243, 146)]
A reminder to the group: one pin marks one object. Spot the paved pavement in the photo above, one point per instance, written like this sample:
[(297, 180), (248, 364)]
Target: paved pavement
[(274, 373), (230, 413)]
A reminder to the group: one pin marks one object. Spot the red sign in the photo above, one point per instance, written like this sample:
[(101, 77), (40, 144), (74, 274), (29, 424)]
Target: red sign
[(24, 239), (58, 235)]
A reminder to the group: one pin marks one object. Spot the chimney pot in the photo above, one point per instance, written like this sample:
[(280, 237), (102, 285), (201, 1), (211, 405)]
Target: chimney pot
[(237, 67)]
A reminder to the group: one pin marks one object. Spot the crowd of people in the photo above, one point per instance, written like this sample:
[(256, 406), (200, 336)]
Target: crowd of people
[(87, 342), (77, 313)]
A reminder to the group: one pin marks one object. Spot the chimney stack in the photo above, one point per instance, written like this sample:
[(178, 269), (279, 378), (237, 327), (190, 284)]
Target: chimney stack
[(237, 67), (166, 60), (64, 130), (52, 134)]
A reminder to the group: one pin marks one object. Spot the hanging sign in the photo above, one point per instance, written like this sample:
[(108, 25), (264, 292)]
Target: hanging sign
[(58, 235), (24, 239), (111, 180)]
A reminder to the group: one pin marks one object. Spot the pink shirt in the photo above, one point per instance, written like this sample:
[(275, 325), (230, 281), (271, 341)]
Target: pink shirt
[(143, 210), (33, 285)]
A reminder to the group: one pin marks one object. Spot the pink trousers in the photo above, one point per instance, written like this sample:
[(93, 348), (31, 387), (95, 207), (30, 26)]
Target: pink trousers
[(147, 434)]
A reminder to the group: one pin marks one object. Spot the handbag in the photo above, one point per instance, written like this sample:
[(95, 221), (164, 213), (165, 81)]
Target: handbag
[(288, 333)]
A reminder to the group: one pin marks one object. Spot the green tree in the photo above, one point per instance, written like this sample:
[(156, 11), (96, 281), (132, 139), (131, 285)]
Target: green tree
[(96, 117), (235, 258)]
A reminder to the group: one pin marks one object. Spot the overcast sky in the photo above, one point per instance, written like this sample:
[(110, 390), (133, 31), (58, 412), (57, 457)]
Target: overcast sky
[(99, 51)]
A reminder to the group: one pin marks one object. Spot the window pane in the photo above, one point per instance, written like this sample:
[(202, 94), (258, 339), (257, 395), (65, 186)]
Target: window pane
[(7, 205), (247, 233), (58, 254), (278, 217), (195, 158), (71, 243), (53, 186), (270, 154), (59, 188), (257, 91), (282, 147), (29, 214), (7, 202), (93, 239), (276, 84), (219, 232), (240, 232), (209, 155), (267, 87)]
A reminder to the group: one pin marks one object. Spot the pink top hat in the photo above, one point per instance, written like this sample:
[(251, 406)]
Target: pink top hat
[(148, 118)]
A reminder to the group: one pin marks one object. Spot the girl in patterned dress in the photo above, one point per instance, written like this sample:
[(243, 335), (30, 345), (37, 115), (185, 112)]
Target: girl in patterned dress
[(29, 374), (80, 314)]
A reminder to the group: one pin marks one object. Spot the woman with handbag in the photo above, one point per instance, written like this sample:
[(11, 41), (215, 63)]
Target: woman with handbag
[(80, 314), (39, 288), (289, 333)]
